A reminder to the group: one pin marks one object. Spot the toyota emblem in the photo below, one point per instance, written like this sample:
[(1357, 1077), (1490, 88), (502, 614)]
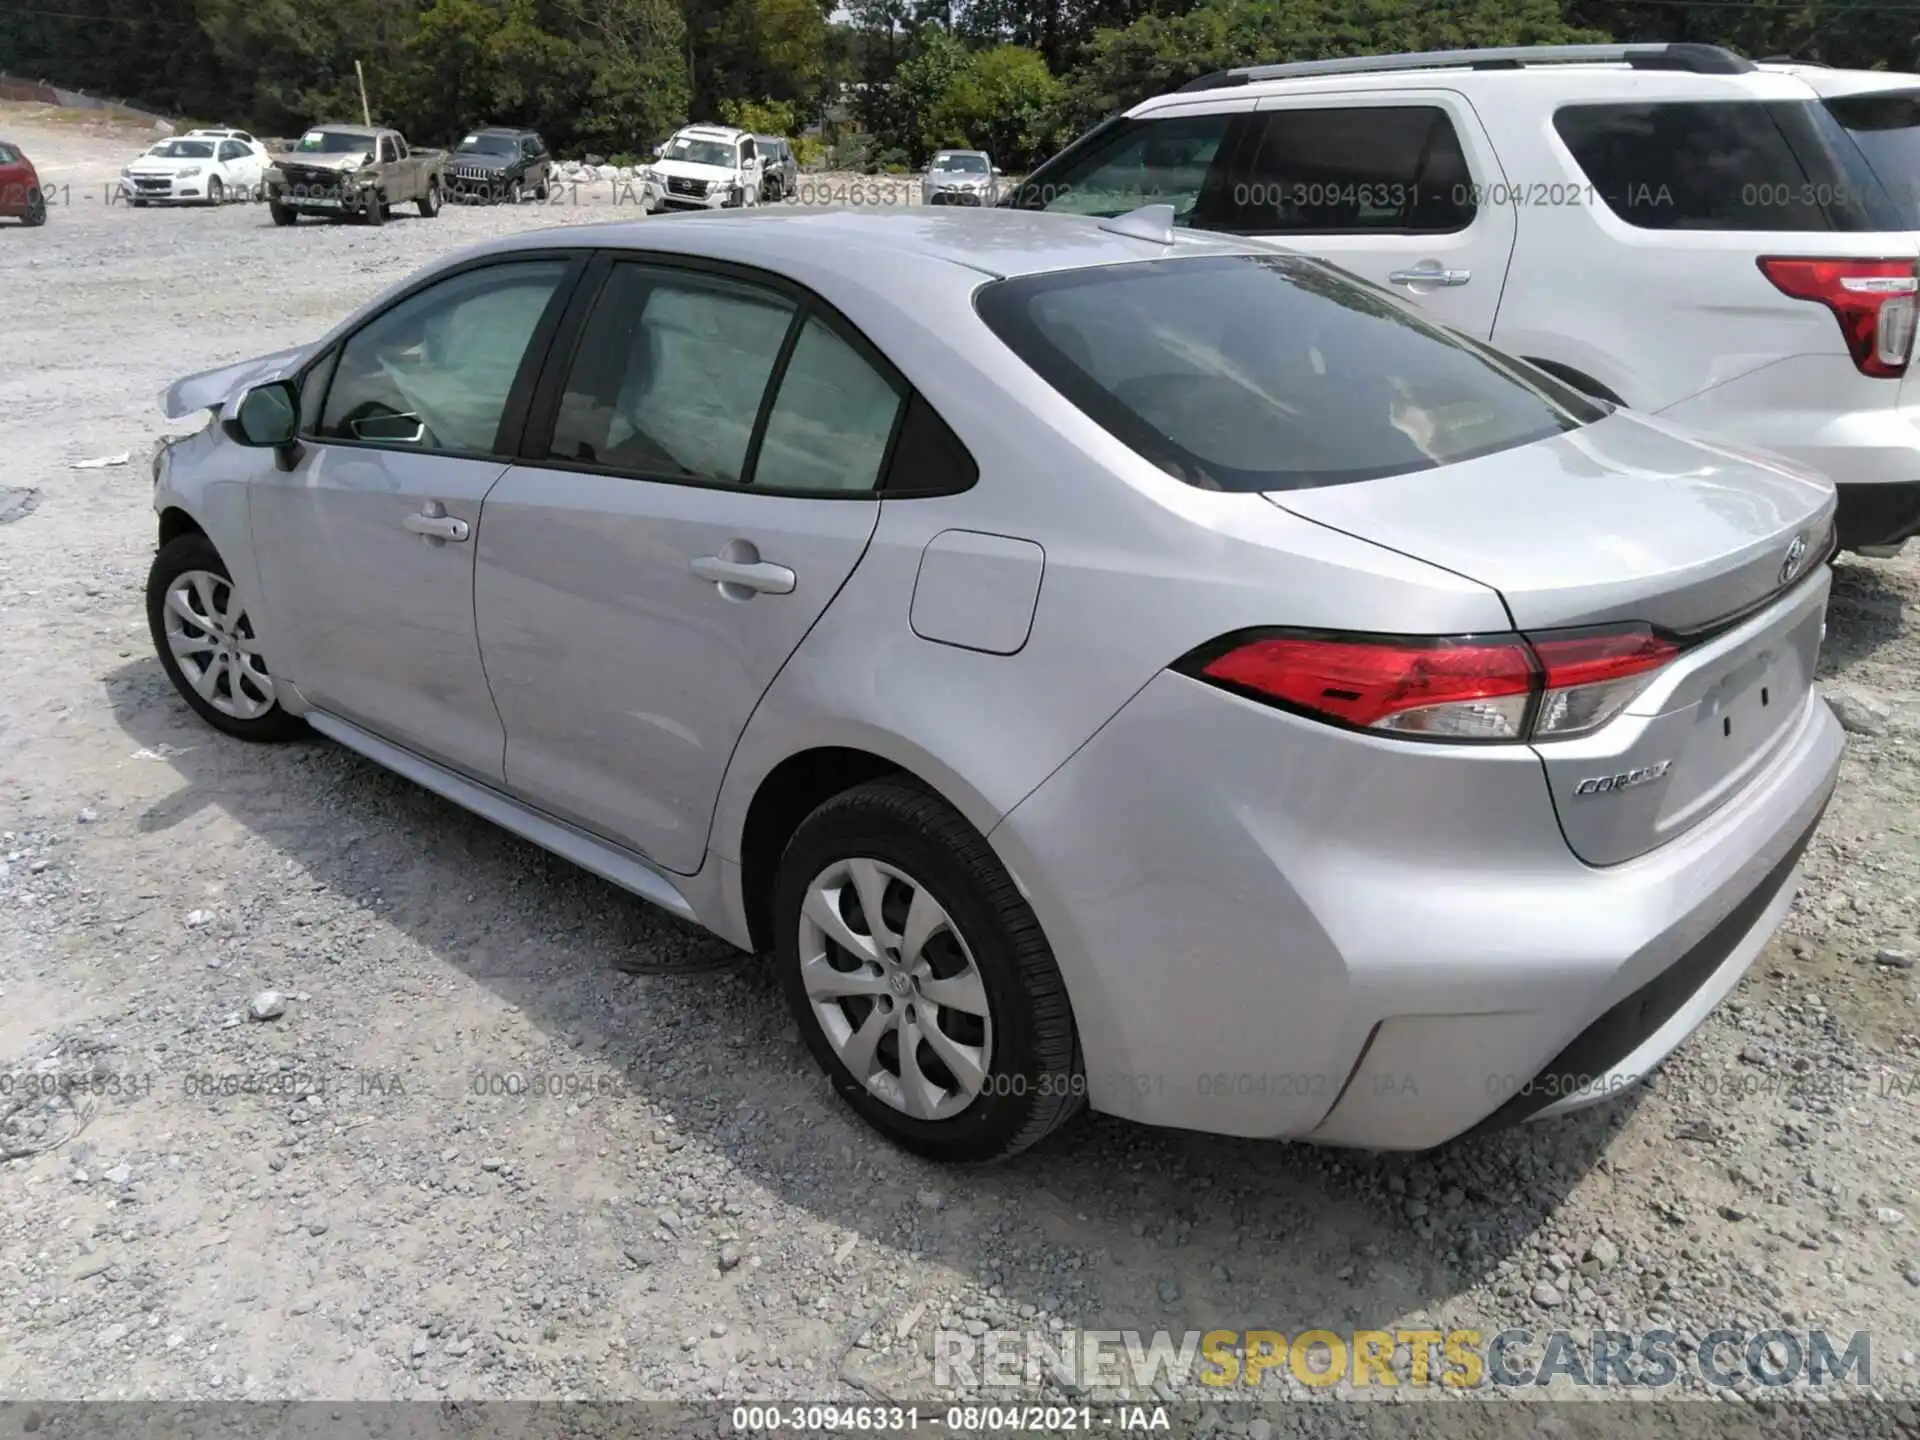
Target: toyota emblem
[(1796, 552)]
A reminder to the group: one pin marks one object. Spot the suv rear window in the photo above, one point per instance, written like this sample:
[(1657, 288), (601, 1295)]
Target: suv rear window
[(1726, 165), (1270, 372), (1886, 127)]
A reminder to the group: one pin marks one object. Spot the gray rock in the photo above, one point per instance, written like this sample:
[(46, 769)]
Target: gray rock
[(267, 1005), (729, 1257), (1859, 711), (1169, 1290), (1893, 959), (1602, 1255), (197, 918), (931, 1200), (1547, 1297), (492, 1163), (88, 815)]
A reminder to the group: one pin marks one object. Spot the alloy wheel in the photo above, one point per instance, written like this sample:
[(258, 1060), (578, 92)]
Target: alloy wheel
[(894, 988), (213, 643)]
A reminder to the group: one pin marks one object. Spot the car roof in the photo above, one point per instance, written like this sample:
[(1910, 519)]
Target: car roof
[(1826, 82), (992, 242), (352, 129), (1563, 83), (506, 130), (949, 150)]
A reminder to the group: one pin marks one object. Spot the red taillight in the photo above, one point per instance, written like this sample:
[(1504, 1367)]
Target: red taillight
[(1874, 301), (1485, 688), (1389, 684)]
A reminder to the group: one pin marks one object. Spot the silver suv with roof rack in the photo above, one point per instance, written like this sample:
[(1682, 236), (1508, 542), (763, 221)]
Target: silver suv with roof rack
[(1673, 228)]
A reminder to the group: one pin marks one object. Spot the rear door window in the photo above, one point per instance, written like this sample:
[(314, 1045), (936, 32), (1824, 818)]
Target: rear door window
[(1332, 170), (1176, 160), (1726, 165), (1270, 372), (1886, 127), (670, 374)]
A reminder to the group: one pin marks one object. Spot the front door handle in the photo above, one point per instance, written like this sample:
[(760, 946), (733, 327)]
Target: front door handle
[(1430, 272), (436, 526), (752, 576)]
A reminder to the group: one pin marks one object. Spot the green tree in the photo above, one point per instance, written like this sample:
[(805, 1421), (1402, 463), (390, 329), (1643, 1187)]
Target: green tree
[(1161, 52), (1004, 101), (922, 89), (762, 117)]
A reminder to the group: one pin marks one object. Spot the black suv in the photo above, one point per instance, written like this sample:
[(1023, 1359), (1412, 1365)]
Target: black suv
[(499, 163)]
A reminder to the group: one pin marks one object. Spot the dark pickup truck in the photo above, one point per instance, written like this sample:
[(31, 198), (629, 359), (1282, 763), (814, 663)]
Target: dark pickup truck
[(499, 162), (358, 171)]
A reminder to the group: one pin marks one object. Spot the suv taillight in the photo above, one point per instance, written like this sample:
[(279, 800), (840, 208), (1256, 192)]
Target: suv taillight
[(1874, 301), (1474, 688)]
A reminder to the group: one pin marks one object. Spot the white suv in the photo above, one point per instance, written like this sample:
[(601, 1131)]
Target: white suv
[(1668, 227), (704, 167)]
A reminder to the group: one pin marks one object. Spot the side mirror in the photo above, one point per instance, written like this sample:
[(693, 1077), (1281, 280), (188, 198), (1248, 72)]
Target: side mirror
[(998, 171), (268, 417)]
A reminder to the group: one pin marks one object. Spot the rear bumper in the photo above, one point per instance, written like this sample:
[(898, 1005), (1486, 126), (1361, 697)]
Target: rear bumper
[(1271, 928), (1878, 517), (1629, 1041)]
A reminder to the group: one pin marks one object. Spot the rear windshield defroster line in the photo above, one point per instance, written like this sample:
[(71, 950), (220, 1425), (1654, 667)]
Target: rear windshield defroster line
[(1267, 372)]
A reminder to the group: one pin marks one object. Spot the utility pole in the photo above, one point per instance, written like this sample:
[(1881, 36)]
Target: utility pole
[(366, 115)]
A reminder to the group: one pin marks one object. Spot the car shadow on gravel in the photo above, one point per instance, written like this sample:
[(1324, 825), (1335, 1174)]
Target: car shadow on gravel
[(1865, 614), (1110, 1223)]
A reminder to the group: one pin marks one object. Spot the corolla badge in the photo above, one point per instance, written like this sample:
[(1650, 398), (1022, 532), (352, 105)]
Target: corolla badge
[(1625, 780), (1796, 554)]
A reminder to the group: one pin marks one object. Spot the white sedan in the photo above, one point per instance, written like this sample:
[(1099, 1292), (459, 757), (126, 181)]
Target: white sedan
[(202, 168)]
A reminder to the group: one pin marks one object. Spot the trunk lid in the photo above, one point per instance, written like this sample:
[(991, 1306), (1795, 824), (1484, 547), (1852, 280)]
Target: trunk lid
[(1634, 520), (1625, 519)]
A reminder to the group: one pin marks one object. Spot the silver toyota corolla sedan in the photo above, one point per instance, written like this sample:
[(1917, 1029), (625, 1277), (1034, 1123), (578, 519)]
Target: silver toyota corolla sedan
[(1102, 667)]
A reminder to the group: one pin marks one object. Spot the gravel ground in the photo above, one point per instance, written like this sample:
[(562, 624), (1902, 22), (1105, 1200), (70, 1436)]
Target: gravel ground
[(377, 1213)]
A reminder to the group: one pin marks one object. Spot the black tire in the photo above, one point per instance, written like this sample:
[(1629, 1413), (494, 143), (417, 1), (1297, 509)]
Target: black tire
[(430, 200), (216, 192), (137, 204), (36, 212), (176, 557), (544, 190), (375, 212), (282, 214), (514, 192), (1034, 1080)]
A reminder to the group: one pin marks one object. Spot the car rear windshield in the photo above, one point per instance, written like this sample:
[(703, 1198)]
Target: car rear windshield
[(489, 145), (183, 150), (1886, 127), (1765, 165), (1270, 372)]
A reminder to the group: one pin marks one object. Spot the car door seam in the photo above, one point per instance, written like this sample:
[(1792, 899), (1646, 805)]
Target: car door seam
[(713, 810)]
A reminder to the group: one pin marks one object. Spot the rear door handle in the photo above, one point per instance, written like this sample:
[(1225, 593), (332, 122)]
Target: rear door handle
[(1430, 274), (752, 575), (435, 525)]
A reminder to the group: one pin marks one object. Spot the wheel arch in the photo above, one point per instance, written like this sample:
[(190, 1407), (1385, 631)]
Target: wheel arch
[(794, 787), (175, 522)]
